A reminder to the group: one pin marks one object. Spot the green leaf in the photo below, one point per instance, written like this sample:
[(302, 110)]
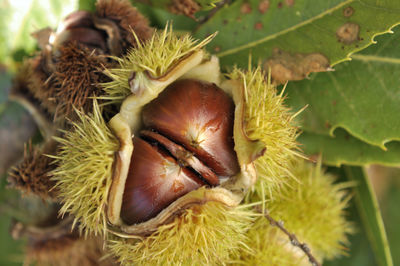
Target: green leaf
[(25, 17), (88, 5), (299, 26), (391, 215), (11, 251), (159, 18), (359, 251), (370, 215), (167, 4), (345, 149), (361, 96)]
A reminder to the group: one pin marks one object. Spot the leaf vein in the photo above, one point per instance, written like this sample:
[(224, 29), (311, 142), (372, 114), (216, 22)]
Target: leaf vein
[(275, 35)]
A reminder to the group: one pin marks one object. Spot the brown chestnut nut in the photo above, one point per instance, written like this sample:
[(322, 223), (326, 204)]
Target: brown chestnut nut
[(199, 116), (79, 27), (187, 143)]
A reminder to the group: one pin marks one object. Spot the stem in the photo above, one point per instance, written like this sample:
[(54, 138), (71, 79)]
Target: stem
[(292, 237)]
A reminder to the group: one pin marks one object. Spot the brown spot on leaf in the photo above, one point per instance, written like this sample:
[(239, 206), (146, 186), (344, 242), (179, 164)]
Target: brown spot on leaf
[(245, 8), (258, 26), (286, 66), (348, 11), (334, 102), (289, 2), (280, 5), (328, 125), (217, 49), (348, 33), (263, 6)]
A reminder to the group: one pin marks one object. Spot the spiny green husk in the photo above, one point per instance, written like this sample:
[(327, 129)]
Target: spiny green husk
[(270, 247), (154, 56), (84, 171), (267, 119), (206, 234), (313, 208)]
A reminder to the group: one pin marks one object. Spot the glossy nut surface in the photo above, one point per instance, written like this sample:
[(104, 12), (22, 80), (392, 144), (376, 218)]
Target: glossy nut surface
[(155, 180), (79, 27), (186, 143), (199, 116)]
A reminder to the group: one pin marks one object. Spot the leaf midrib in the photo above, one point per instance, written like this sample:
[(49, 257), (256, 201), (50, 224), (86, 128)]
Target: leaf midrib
[(374, 58)]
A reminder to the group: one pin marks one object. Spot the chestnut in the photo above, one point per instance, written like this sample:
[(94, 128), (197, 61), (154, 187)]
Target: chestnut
[(178, 141), (187, 142), (79, 27), (173, 165), (199, 116)]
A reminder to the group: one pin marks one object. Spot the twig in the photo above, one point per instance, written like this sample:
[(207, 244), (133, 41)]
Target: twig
[(292, 237)]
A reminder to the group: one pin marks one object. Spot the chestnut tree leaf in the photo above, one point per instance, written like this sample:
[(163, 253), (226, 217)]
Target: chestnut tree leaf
[(309, 35), (159, 18), (370, 214), (361, 96), (88, 5), (360, 251), (346, 149), (391, 215), (181, 7)]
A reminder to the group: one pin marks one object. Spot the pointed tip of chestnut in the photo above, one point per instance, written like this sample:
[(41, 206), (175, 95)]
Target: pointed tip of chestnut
[(199, 116)]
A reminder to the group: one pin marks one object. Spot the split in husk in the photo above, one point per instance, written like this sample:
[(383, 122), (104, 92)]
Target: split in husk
[(92, 187)]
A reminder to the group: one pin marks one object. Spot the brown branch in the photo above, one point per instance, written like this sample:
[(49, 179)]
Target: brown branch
[(292, 237)]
